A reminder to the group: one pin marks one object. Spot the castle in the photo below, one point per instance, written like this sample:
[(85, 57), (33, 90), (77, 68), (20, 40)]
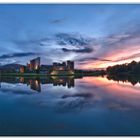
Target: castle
[(55, 69)]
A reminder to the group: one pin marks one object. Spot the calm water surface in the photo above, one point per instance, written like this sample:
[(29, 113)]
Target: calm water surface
[(68, 106)]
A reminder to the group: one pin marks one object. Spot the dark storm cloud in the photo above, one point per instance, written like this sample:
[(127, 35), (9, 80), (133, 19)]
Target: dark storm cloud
[(6, 56), (84, 50)]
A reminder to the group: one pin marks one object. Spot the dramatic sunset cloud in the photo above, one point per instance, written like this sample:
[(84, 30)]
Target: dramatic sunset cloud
[(94, 36)]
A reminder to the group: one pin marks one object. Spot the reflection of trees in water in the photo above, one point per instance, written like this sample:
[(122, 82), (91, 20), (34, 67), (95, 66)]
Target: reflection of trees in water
[(125, 78), (35, 83)]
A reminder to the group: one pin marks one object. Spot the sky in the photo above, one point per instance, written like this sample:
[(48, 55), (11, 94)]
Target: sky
[(92, 35)]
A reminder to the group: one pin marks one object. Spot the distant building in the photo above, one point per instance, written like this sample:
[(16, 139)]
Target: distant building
[(70, 65)]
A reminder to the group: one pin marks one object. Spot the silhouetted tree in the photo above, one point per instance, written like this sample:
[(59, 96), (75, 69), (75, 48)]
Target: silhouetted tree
[(131, 68)]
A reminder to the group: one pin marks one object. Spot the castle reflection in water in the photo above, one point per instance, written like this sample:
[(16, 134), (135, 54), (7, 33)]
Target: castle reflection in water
[(35, 83)]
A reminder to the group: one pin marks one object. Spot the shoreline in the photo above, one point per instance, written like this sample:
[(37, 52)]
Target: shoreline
[(47, 75)]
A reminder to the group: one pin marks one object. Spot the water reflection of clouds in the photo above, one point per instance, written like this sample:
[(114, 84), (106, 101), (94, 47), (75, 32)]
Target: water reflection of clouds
[(83, 95), (118, 106), (105, 94), (15, 88), (16, 91), (73, 105), (85, 102), (126, 93), (88, 93), (80, 105)]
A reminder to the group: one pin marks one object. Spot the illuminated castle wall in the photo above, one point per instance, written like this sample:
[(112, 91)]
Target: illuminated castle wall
[(63, 68), (34, 64)]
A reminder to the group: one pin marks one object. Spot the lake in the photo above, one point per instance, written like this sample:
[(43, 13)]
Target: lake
[(68, 106)]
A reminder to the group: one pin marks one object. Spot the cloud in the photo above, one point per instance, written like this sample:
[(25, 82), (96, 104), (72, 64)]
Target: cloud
[(113, 48), (61, 39), (92, 58), (119, 40), (74, 42), (128, 57), (35, 41), (71, 45), (84, 50), (70, 41), (73, 39), (57, 21), (116, 38), (6, 56), (83, 95)]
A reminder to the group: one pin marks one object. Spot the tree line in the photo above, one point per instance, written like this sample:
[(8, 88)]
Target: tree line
[(128, 68)]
